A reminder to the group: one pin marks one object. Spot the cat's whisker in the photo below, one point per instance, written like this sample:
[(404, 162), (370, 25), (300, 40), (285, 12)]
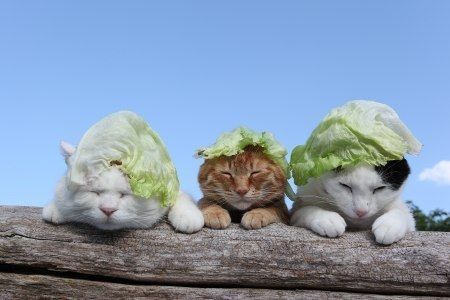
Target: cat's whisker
[(315, 196), (139, 223)]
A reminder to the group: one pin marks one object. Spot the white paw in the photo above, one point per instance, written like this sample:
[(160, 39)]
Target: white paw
[(329, 224), (51, 214), (389, 229), (189, 220)]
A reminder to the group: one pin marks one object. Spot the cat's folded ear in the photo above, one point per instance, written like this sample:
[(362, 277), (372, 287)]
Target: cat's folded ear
[(66, 150)]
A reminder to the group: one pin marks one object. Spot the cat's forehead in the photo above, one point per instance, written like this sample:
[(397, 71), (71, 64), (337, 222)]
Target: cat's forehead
[(112, 179), (242, 163), (362, 175), (249, 159)]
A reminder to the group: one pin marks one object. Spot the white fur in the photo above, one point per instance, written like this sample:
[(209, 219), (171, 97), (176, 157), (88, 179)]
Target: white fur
[(111, 190), (185, 215), (327, 208)]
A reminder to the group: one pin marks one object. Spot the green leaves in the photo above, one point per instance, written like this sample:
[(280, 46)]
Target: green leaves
[(125, 140), (234, 142), (436, 220), (358, 132)]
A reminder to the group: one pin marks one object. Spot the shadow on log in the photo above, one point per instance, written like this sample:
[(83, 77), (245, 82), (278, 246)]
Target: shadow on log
[(279, 261)]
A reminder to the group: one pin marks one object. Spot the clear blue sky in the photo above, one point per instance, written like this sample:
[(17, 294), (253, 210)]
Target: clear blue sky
[(195, 69)]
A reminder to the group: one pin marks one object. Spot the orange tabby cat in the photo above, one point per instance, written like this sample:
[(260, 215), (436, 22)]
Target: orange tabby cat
[(246, 188)]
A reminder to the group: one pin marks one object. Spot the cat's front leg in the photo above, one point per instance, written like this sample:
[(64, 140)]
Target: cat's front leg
[(184, 215), (215, 216), (51, 213), (261, 217), (393, 225), (321, 221)]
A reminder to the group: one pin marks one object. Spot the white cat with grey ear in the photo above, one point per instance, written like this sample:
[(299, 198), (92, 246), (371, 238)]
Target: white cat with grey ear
[(361, 197), (107, 202), (351, 172)]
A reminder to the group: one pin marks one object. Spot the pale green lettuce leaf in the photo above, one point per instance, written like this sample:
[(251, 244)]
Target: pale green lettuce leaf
[(357, 132), (234, 142), (127, 138)]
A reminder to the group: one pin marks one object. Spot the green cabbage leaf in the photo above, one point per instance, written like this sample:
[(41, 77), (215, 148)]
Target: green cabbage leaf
[(126, 141), (234, 142), (357, 132)]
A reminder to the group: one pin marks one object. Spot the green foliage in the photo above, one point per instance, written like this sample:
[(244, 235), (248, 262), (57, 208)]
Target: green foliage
[(436, 220)]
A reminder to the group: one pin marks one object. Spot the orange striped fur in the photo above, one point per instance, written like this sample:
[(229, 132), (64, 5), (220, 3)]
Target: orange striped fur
[(246, 188)]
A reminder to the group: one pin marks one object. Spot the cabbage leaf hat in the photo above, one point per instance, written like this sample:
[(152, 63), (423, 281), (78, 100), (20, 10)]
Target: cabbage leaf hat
[(234, 142), (358, 132), (125, 140)]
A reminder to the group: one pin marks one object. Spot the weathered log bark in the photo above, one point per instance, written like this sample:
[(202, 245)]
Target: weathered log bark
[(22, 286), (291, 262)]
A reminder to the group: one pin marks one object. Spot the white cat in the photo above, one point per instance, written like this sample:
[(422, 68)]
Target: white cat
[(362, 197), (107, 202)]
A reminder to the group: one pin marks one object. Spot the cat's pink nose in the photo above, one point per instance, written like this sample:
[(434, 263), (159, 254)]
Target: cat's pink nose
[(242, 191), (361, 212), (107, 210)]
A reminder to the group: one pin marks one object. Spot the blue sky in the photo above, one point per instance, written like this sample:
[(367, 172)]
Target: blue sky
[(195, 69)]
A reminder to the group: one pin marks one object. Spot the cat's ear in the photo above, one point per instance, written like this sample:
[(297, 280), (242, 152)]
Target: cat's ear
[(66, 149)]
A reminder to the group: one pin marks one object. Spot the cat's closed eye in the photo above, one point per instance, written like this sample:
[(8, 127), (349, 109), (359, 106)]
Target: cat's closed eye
[(98, 193), (254, 173), (379, 189), (347, 187), (226, 174)]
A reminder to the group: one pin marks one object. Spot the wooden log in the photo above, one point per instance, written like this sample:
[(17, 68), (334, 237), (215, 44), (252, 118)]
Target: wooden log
[(278, 257), (24, 286)]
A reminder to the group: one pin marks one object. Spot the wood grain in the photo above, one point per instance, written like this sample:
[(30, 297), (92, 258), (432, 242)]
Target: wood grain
[(277, 257), (22, 286)]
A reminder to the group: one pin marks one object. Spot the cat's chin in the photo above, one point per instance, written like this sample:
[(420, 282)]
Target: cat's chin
[(242, 205), (360, 219), (357, 218), (354, 219)]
